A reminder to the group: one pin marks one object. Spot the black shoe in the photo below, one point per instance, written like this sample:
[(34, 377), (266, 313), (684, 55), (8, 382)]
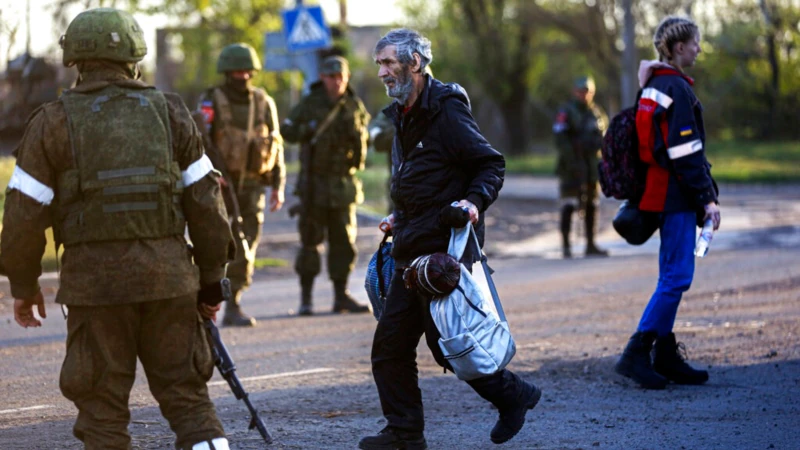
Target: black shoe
[(593, 250), (305, 310), (669, 362), (635, 362), (343, 302), (392, 439), (234, 317), (513, 418), (566, 228)]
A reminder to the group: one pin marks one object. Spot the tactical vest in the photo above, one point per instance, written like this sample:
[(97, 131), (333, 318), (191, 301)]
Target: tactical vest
[(124, 184), (251, 151)]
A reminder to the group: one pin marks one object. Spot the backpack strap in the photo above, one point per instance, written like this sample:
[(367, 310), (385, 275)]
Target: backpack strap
[(487, 271)]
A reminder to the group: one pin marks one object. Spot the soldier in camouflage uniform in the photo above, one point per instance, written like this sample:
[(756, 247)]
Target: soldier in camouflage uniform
[(331, 122), (242, 121), (117, 169), (579, 128)]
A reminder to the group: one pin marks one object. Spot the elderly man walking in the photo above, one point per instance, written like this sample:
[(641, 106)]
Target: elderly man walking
[(439, 157)]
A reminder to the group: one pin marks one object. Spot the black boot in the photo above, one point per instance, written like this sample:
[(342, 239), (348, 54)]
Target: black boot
[(306, 286), (234, 317), (512, 416), (669, 362), (566, 227), (343, 302), (392, 439), (591, 229), (635, 361)]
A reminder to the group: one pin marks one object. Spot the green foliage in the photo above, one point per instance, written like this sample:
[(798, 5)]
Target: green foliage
[(754, 161), (733, 161), (569, 38)]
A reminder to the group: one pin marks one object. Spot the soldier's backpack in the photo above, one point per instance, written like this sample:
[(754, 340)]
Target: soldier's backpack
[(621, 172)]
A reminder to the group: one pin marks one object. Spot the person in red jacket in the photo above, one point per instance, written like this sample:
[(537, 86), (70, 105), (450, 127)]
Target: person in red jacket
[(679, 186)]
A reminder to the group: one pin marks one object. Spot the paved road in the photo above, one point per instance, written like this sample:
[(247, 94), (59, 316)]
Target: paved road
[(310, 377)]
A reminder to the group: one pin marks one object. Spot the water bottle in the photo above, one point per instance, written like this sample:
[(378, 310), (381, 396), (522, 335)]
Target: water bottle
[(706, 234)]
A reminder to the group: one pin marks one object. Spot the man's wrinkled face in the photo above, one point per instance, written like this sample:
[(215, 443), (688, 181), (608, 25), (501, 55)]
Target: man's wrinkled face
[(335, 83), (395, 75)]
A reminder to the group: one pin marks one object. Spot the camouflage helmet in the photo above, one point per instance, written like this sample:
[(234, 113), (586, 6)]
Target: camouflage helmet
[(239, 56), (103, 33)]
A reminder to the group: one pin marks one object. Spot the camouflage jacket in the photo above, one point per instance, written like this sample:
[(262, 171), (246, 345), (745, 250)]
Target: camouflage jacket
[(340, 150), (115, 272), (239, 102), (579, 130)]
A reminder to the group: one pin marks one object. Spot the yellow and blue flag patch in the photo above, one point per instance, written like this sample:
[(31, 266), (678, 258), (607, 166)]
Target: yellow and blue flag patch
[(686, 131)]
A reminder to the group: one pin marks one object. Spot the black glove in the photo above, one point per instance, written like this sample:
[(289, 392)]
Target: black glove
[(454, 217), (215, 293)]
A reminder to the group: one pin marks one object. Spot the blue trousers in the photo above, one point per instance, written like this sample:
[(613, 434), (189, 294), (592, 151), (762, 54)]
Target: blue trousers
[(675, 271)]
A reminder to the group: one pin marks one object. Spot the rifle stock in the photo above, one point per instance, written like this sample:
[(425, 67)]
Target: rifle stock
[(226, 367)]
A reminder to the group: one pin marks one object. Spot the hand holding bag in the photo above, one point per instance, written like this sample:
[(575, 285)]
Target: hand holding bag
[(379, 275), (475, 337)]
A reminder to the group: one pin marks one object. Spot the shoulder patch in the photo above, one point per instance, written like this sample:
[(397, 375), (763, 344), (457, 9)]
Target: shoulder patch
[(207, 109)]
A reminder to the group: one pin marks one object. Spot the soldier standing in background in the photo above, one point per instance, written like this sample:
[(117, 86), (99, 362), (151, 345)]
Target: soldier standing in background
[(330, 123), (117, 169), (579, 128), (242, 122)]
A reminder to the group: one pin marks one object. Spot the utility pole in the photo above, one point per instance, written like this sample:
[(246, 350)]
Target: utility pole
[(343, 16), (28, 27), (628, 79)]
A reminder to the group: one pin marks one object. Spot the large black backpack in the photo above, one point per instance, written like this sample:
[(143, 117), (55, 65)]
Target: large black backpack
[(621, 172)]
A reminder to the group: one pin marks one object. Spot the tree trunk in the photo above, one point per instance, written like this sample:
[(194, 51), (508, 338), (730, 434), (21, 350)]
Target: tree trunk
[(773, 89), (517, 123)]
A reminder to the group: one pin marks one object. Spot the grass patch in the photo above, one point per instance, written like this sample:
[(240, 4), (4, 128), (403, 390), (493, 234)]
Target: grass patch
[(261, 263), (752, 161), (733, 161), (532, 164)]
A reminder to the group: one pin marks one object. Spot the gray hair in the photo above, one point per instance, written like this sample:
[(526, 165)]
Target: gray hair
[(407, 42)]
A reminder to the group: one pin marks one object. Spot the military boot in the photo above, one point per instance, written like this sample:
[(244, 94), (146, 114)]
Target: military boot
[(566, 227), (234, 317), (512, 416), (391, 439), (343, 302), (591, 229), (306, 286), (669, 362), (635, 361)]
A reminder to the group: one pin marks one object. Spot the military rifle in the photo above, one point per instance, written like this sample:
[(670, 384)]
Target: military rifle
[(228, 193), (226, 367)]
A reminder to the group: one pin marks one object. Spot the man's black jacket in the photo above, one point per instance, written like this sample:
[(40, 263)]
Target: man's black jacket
[(439, 156)]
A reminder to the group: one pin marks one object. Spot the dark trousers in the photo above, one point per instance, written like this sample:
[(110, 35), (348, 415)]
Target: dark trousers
[(341, 228), (394, 365)]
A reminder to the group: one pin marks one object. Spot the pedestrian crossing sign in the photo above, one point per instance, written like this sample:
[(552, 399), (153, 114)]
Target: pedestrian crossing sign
[(305, 29)]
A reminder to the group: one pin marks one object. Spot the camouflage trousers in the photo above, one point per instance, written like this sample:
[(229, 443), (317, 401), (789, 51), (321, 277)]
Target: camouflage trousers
[(252, 203), (168, 337), (340, 226)]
